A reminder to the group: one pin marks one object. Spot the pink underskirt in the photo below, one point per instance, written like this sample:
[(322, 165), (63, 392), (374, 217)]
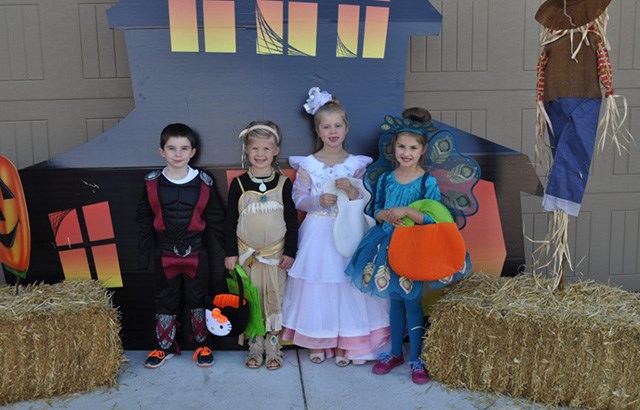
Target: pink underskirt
[(367, 347)]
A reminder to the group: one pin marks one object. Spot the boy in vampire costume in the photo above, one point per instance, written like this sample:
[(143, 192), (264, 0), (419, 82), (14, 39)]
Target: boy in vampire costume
[(180, 217)]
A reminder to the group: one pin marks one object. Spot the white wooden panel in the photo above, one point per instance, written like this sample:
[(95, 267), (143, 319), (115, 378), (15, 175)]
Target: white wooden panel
[(24, 146), (417, 54), (17, 44), (449, 35), (97, 126), (434, 44), (628, 163), (634, 127), (479, 122), (89, 41), (625, 227), (527, 137), (531, 35), (40, 141), (5, 58), (122, 60), (630, 242), (24, 142), (616, 235), (32, 42), (629, 32), (8, 140), (480, 39), (106, 43), (20, 43), (98, 42), (464, 43)]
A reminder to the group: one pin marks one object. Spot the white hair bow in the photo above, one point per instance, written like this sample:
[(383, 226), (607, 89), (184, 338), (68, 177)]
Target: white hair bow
[(316, 100)]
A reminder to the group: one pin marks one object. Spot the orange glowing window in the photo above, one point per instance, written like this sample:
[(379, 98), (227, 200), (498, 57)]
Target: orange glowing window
[(301, 27), (86, 244)]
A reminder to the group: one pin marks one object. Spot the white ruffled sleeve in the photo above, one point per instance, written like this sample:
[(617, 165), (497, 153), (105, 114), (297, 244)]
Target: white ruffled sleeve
[(302, 192), (296, 161), (302, 196), (358, 165)]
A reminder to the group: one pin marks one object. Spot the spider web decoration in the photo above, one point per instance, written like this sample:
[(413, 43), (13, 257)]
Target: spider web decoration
[(56, 220), (268, 41), (343, 51), (293, 51)]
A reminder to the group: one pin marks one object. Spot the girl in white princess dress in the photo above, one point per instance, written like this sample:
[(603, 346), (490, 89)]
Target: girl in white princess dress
[(323, 311)]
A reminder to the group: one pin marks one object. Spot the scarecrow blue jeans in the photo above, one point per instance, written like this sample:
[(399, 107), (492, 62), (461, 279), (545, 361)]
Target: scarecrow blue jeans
[(575, 126)]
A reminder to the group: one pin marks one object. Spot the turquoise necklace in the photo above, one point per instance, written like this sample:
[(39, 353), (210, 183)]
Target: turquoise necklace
[(262, 187)]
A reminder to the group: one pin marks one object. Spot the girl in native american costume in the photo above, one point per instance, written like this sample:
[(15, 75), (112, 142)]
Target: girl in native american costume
[(261, 235), (572, 68)]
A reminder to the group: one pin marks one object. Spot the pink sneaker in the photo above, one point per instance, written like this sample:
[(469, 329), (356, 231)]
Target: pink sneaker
[(419, 374), (386, 363)]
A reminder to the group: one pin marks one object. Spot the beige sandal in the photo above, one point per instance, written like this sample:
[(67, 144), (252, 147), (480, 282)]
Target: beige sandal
[(341, 359), (273, 351), (256, 352), (317, 357)]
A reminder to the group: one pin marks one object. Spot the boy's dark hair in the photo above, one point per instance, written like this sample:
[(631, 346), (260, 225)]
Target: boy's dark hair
[(417, 114), (178, 130)]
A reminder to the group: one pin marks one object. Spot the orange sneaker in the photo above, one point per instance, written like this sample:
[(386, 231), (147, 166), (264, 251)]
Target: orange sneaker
[(157, 358), (203, 356)]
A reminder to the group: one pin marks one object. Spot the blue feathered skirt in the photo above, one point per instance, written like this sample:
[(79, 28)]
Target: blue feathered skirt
[(371, 273)]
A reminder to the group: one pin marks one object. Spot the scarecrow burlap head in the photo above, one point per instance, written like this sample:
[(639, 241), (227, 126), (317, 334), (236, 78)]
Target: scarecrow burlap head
[(568, 14)]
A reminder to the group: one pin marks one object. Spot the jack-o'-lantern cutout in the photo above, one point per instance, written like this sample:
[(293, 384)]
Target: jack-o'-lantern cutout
[(15, 234)]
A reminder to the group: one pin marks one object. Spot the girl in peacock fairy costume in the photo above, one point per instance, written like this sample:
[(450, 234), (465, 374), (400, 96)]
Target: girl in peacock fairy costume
[(394, 189)]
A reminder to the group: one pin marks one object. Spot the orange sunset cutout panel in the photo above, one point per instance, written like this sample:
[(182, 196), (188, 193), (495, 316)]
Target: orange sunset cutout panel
[(86, 245), (15, 232), (483, 232), (219, 24)]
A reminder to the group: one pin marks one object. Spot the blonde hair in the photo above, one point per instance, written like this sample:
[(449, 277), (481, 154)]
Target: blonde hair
[(329, 107), (260, 130)]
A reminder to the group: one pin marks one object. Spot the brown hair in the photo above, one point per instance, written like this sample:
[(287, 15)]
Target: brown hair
[(417, 114)]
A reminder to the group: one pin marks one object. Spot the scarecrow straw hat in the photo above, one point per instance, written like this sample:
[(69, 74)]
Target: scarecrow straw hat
[(568, 14)]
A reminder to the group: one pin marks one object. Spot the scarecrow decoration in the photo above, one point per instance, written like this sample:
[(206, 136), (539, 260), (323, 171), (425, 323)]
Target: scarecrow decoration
[(573, 71)]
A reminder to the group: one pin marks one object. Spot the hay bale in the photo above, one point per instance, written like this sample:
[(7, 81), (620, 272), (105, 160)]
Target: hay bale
[(579, 346), (57, 339)]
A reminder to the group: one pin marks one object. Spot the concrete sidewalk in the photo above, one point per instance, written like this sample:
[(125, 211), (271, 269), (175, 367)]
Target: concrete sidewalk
[(299, 384)]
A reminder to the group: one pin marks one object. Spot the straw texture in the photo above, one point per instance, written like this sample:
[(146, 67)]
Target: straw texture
[(577, 346), (57, 339)]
